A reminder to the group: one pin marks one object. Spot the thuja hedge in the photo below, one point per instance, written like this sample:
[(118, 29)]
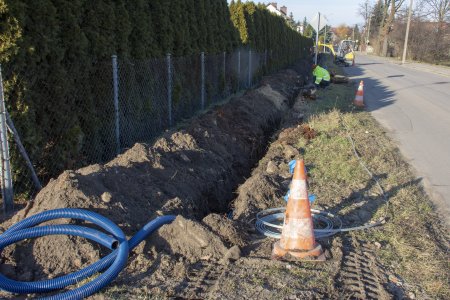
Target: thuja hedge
[(56, 54), (262, 30)]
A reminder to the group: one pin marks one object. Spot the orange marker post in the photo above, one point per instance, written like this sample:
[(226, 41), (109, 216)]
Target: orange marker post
[(359, 98)]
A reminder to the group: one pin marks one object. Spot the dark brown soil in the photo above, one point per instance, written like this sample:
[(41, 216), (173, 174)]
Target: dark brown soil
[(191, 172)]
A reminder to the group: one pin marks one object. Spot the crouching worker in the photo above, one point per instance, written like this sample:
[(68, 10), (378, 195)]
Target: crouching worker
[(322, 76)]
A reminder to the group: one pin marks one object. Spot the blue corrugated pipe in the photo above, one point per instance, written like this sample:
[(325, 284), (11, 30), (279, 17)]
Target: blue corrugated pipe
[(110, 266)]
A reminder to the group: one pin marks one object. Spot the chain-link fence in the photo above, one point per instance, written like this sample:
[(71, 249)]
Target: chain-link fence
[(84, 113)]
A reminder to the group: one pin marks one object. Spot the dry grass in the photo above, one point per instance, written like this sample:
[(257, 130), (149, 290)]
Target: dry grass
[(413, 241)]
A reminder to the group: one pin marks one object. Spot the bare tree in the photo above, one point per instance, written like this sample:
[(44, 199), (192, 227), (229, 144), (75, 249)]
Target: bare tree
[(365, 10), (439, 11), (429, 31), (391, 6)]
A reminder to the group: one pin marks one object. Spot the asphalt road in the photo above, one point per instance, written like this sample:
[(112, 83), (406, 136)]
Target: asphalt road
[(414, 106)]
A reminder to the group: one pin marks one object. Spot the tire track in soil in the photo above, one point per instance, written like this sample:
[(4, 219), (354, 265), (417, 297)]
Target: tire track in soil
[(361, 276), (201, 277)]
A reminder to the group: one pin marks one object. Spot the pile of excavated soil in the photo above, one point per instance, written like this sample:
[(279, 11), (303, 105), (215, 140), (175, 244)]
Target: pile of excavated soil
[(191, 172)]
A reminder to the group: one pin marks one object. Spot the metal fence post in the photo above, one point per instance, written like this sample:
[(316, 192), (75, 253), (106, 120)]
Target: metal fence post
[(169, 88), (224, 71), (202, 91), (249, 68), (116, 101), (7, 186), (239, 70), (265, 58), (23, 152)]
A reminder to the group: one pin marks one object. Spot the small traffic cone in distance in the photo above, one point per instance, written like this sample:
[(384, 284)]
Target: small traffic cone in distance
[(297, 236), (359, 98)]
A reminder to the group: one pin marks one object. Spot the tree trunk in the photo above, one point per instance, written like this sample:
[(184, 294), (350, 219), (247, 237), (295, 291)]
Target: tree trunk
[(386, 29), (438, 42), (385, 46)]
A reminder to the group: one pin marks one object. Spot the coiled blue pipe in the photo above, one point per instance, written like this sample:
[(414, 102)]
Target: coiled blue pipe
[(110, 265)]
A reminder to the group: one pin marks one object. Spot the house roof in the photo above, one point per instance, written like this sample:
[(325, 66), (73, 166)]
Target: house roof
[(273, 7)]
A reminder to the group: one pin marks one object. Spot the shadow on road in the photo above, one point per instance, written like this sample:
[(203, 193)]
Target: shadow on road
[(376, 94), (366, 64)]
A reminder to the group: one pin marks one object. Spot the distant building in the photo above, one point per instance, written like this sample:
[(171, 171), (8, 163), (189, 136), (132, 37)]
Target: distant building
[(273, 8)]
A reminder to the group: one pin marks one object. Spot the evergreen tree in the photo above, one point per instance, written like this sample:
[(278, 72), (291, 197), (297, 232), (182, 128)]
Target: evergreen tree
[(377, 19), (357, 33), (308, 31), (291, 21), (161, 19), (210, 22), (123, 28), (179, 29), (201, 24), (141, 39), (192, 24), (185, 26), (99, 27), (237, 12), (249, 12), (220, 36)]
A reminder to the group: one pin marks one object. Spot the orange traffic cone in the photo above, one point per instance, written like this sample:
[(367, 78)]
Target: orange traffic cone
[(297, 235), (359, 98)]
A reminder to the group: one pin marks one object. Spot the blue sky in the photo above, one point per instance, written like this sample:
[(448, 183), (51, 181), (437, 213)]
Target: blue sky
[(337, 11)]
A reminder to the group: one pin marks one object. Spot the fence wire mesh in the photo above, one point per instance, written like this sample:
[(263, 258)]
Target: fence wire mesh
[(142, 98), (63, 120), (186, 87), (79, 114)]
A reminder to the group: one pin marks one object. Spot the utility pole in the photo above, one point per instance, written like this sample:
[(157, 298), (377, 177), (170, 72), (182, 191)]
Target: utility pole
[(325, 39), (317, 40), (405, 47), (368, 32)]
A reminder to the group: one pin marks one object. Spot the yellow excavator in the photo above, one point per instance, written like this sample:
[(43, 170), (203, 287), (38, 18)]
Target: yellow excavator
[(344, 55)]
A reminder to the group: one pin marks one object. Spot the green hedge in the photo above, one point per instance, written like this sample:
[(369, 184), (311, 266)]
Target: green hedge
[(56, 58), (262, 30)]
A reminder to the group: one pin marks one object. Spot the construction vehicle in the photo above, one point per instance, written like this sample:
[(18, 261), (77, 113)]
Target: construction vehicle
[(344, 55)]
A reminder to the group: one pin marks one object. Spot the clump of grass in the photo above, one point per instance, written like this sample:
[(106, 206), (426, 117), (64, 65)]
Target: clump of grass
[(336, 96)]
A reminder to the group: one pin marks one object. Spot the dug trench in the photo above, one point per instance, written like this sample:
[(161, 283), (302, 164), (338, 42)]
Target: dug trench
[(219, 171), (192, 172)]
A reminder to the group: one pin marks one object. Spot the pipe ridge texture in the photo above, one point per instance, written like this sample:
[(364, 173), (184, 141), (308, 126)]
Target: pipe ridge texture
[(111, 265)]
